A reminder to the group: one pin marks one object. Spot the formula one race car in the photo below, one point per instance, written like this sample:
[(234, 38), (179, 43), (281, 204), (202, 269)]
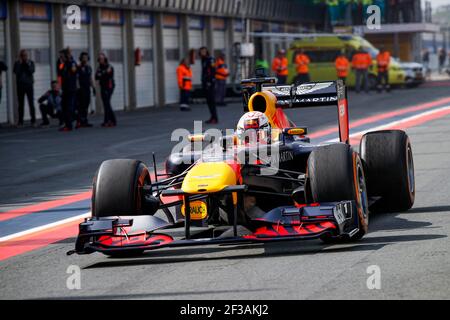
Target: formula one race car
[(263, 182)]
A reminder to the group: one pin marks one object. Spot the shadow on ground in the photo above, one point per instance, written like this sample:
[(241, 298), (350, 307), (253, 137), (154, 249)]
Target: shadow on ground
[(154, 295), (379, 222)]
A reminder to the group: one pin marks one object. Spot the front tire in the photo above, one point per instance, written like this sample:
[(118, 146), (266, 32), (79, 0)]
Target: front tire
[(117, 188), (335, 173)]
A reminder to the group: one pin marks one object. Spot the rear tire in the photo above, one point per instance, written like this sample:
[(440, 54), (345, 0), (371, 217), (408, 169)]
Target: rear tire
[(335, 173), (389, 165), (117, 188)]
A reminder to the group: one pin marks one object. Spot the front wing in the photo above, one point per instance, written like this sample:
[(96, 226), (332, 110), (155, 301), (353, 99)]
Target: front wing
[(115, 235)]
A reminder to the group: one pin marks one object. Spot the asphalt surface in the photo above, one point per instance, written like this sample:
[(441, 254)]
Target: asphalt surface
[(40, 164), (411, 249)]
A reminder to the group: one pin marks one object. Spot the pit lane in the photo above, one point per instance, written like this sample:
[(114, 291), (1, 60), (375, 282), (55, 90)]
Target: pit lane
[(411, 248)]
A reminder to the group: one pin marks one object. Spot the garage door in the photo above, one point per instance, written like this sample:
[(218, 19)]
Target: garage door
[(145, 80), (196, 41), (3, 103), (237, 36), (35, 37), (77, 40), (172, 52), (112, 43), (220, 42), (238, 28)]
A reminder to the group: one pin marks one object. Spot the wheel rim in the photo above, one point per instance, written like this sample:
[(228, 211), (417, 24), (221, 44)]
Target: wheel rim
[(410, 161)]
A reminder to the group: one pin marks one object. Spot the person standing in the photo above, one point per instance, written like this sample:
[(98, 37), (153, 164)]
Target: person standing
[(60, 66), (426, 61), (69, 90), (342, 65), (3, 68), (442, 56), (184, 76), (383, 62), (361, 62), (209, 83), (50, 104), (280, 66), (302, 61), (261, 67), (105, 78), (222, 73), (24, 69), (85, 83)]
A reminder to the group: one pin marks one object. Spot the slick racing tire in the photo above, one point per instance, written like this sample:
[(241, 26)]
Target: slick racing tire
[(388, 160), (335, 173), (117, 188)]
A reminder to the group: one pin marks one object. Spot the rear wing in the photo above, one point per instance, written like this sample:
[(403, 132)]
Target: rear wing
[(312, 94)]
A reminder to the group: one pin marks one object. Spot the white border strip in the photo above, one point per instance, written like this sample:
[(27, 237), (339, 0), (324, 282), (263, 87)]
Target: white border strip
[(44, 227), (394, 123)]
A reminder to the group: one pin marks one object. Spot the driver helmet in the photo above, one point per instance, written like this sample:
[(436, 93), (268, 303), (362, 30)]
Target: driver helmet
[(254, 127)]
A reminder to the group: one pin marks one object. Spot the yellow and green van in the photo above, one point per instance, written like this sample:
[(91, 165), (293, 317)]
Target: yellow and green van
[(323, 50)]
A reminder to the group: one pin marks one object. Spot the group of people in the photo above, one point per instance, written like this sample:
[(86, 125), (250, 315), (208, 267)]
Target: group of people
[(361, 62), (69, 97), (280, 67), (213, 78)]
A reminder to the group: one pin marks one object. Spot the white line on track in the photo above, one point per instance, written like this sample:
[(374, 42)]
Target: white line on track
[(356, 134), (394, 123), (44, 227)]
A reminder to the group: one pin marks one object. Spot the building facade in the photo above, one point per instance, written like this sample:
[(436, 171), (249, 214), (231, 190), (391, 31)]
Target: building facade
[(158, 33)]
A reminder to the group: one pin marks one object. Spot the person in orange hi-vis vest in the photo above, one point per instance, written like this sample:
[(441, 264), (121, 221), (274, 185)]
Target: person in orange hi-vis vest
[(342, 65), (361, 62), (184, 76), (383, 61), (280, 66), (60, 67), (302, 61), (222, 73)]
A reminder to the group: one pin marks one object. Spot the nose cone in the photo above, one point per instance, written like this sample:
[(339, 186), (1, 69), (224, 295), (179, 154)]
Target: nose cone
[(209, 177)]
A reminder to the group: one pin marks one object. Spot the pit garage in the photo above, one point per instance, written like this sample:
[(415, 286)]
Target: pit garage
[(219, 35), (238, 30), (35, 35), (171, 36), (112, 45), (78, 39), (196, 41), (143, 42), (3, 102)]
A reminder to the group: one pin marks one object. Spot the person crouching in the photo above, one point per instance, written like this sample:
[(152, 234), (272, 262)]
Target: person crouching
[(50, 105)]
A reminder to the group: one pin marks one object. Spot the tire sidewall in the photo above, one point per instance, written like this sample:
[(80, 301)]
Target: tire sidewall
[(117, 188)]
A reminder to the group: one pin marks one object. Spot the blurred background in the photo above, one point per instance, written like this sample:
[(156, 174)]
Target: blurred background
[(146, 39)]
